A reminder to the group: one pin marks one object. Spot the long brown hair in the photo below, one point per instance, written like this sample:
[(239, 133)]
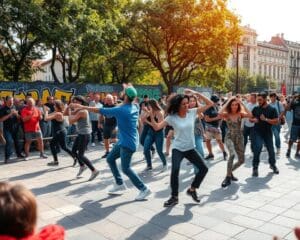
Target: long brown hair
[(59, 105), (155, 105), (228, 107)]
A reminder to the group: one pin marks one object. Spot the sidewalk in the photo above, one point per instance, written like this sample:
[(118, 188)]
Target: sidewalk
[(253, 208)]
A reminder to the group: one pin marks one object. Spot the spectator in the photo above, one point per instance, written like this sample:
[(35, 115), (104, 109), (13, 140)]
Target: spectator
[(94, 118), (18, 216), (31, 117)]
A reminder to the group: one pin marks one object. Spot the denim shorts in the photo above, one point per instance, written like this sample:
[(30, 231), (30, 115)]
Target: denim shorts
[(33, 135), (295, 133)]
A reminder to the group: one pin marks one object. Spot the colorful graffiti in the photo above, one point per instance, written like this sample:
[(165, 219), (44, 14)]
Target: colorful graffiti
[(41, 90)]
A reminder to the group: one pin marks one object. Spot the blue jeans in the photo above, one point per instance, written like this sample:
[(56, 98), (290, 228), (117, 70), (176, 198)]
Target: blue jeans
[(276, 133), (11, 137), (258, 141), (125, 154), (199, 145), (158, 139)]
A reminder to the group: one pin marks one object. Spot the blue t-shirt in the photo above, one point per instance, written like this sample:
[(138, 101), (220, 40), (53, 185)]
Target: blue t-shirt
[(127, 120)]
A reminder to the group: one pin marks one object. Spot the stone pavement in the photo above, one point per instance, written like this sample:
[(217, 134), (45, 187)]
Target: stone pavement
[(253, 208)]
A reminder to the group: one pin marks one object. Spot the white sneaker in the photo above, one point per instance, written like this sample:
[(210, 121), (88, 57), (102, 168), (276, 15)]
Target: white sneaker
[(81, 170), (117, 189), (93, 144), (143, 194), (164, 168), (278, 151)]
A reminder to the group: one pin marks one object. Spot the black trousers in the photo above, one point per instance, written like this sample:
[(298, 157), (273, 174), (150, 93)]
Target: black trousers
[(79, 148), (59, 138), (194, 157)]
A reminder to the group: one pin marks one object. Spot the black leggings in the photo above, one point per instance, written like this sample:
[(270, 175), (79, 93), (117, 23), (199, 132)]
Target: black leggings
[(59, 138), (194, 157), (79, 148)]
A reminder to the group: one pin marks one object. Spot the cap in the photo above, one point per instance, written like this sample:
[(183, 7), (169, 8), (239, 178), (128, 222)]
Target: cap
[(131, 92), (215, 98)]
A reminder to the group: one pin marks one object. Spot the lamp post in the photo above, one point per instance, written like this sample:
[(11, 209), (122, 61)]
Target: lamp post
[(237, 80)]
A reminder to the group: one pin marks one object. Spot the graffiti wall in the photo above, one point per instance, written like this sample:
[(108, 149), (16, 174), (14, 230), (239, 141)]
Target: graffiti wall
[(41, 90)]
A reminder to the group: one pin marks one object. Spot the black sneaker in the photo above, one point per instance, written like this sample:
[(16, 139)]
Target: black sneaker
[(193, 194), (54, 163), (288, 154), (171, 202), (105, 155), (209, 157), (255, 172), (275, 169), (226, 182), (233, 178), (225, 155)]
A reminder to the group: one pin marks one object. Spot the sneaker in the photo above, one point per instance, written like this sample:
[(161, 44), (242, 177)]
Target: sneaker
[(148, 169), (101, 143), (172, 201), (255, 172), (233, 178), (117, 189), (75, 162), (93, 144), (167, 154), (43, 155), (143, 194), (274, 169), (105, 155), (278, 151), (225, 155), (164, 168), (21, 156), (94, 175), (226, 182), (81, 170), (54, 163), (288, 154), (193, 194), (209, 157)]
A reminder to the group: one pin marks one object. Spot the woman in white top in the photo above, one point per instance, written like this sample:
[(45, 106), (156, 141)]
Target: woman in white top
[(182, 119)]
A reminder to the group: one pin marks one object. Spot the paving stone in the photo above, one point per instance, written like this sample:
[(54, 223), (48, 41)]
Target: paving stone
[(211, 235), (228, 229), (274, 229)]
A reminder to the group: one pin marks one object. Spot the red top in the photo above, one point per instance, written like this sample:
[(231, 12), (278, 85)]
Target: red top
[(32, 125), (51, 232)]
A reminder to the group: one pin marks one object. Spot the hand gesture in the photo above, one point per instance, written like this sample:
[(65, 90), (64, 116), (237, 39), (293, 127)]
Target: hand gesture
[(75, 106), (14, 112), (188, 91), (46, 109), (262, 117)]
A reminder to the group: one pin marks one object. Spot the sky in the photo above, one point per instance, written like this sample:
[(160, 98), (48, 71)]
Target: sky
[(269, 17)]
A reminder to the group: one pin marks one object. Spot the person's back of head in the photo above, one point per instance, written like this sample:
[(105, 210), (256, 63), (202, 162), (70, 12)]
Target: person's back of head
[(18, 210)]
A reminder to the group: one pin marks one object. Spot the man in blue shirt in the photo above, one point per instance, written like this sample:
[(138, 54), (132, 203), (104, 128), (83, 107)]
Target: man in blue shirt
[(127, 116)]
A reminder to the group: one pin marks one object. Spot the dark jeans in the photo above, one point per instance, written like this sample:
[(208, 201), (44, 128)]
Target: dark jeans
[(59, 139), (248, 133), (126, 155), (259, 140), (194, 157), (79, 148), (224, 130), (11, 137), (96, 130), (158, 139), (146, 128)]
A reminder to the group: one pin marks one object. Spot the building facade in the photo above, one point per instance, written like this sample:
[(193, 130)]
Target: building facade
[(42, 71), (272, 61)]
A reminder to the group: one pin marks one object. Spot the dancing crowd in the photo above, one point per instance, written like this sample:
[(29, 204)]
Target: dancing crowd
[(186, 122)]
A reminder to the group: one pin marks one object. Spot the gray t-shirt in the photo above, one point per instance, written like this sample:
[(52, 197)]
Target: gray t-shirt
[(183, 130), (250, 107)]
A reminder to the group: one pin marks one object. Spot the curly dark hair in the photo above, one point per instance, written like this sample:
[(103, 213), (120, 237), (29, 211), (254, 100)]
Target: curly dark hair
[(174, 103)]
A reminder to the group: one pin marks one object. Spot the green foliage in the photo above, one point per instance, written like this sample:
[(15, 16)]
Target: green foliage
[(20, 27)]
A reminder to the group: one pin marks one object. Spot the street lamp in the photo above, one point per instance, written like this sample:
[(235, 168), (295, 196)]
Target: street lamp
[(237, 81)]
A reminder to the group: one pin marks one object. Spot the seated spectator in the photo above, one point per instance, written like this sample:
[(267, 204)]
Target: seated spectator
[(18, 216)]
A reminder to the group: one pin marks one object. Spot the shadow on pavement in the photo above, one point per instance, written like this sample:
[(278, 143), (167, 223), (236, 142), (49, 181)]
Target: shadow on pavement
[(255, 184), (158, 226)]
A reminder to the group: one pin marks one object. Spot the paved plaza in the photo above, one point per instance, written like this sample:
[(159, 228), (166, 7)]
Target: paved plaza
[(253, 208)]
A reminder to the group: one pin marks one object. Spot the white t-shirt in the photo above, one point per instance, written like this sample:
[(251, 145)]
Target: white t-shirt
[(250, 107), (183, 130)]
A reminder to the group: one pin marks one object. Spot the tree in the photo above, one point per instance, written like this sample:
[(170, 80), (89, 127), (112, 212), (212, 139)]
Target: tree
[(20, 27), (247, 82), (181, 36)]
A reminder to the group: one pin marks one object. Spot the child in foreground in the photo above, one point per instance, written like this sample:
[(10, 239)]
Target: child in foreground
[(18, 216)]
